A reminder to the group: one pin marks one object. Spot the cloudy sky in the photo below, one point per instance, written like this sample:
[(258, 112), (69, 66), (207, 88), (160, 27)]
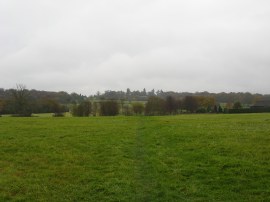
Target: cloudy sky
[(181, 45)]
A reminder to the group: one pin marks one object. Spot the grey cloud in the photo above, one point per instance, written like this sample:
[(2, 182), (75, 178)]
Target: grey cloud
[(88, 46)]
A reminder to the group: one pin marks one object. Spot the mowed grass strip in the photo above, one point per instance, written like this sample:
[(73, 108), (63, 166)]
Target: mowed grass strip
[(168, 158)]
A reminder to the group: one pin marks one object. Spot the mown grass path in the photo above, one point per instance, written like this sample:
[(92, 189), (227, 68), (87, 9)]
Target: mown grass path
[(170, 158)]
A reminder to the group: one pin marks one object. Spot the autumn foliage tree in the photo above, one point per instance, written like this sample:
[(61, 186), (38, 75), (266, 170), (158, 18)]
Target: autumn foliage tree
[(206, 102)]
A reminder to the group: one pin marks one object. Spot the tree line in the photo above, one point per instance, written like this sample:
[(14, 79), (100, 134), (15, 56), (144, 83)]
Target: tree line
[(136, 95), (23, 102), (153, 106), (20, 102)]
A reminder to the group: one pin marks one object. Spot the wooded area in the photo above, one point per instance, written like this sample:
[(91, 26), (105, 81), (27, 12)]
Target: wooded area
[(24, 102)]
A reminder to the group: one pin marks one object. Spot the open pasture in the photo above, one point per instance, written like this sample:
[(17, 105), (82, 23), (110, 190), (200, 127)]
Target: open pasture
[(166, 158)]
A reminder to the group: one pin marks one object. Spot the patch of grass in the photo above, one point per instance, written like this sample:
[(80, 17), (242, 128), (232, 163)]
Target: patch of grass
[(168, 158)]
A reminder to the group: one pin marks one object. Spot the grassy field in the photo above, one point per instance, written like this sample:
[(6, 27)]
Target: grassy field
[(170, 158)]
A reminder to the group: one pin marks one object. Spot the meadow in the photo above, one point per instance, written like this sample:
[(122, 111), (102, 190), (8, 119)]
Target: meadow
[(222, 157)]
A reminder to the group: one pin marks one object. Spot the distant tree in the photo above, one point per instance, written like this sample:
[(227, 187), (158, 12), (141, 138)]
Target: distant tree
[(127, 109), (144, 92), (215, 109), (109, 108), (128, 94), (48, 106), (74, 97), (58, 110), (152, 93), (138, 107), (21, 105), (122, 102), (170, 105), (237, 105), (191, 104), (206, 102), (87, 108), (95, 108), (155, 106), (229, 105), (220, 110), (201, 110), (180, 105), (83, 109), (2, 103)]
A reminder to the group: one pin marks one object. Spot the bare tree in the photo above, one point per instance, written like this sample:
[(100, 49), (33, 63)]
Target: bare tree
[(155, 106), (109, 108), (171, 105), (21, 101), (191, 103)]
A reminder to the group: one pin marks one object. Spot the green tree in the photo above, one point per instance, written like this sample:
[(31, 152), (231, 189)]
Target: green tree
[(57, 109), (220, 110), (83, 109), (138, 107)]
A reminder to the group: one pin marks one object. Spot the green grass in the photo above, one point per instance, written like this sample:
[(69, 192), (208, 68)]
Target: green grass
[(170, 158)]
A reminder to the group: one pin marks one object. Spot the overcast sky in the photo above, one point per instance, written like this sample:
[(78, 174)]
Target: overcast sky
[(181, 45)]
